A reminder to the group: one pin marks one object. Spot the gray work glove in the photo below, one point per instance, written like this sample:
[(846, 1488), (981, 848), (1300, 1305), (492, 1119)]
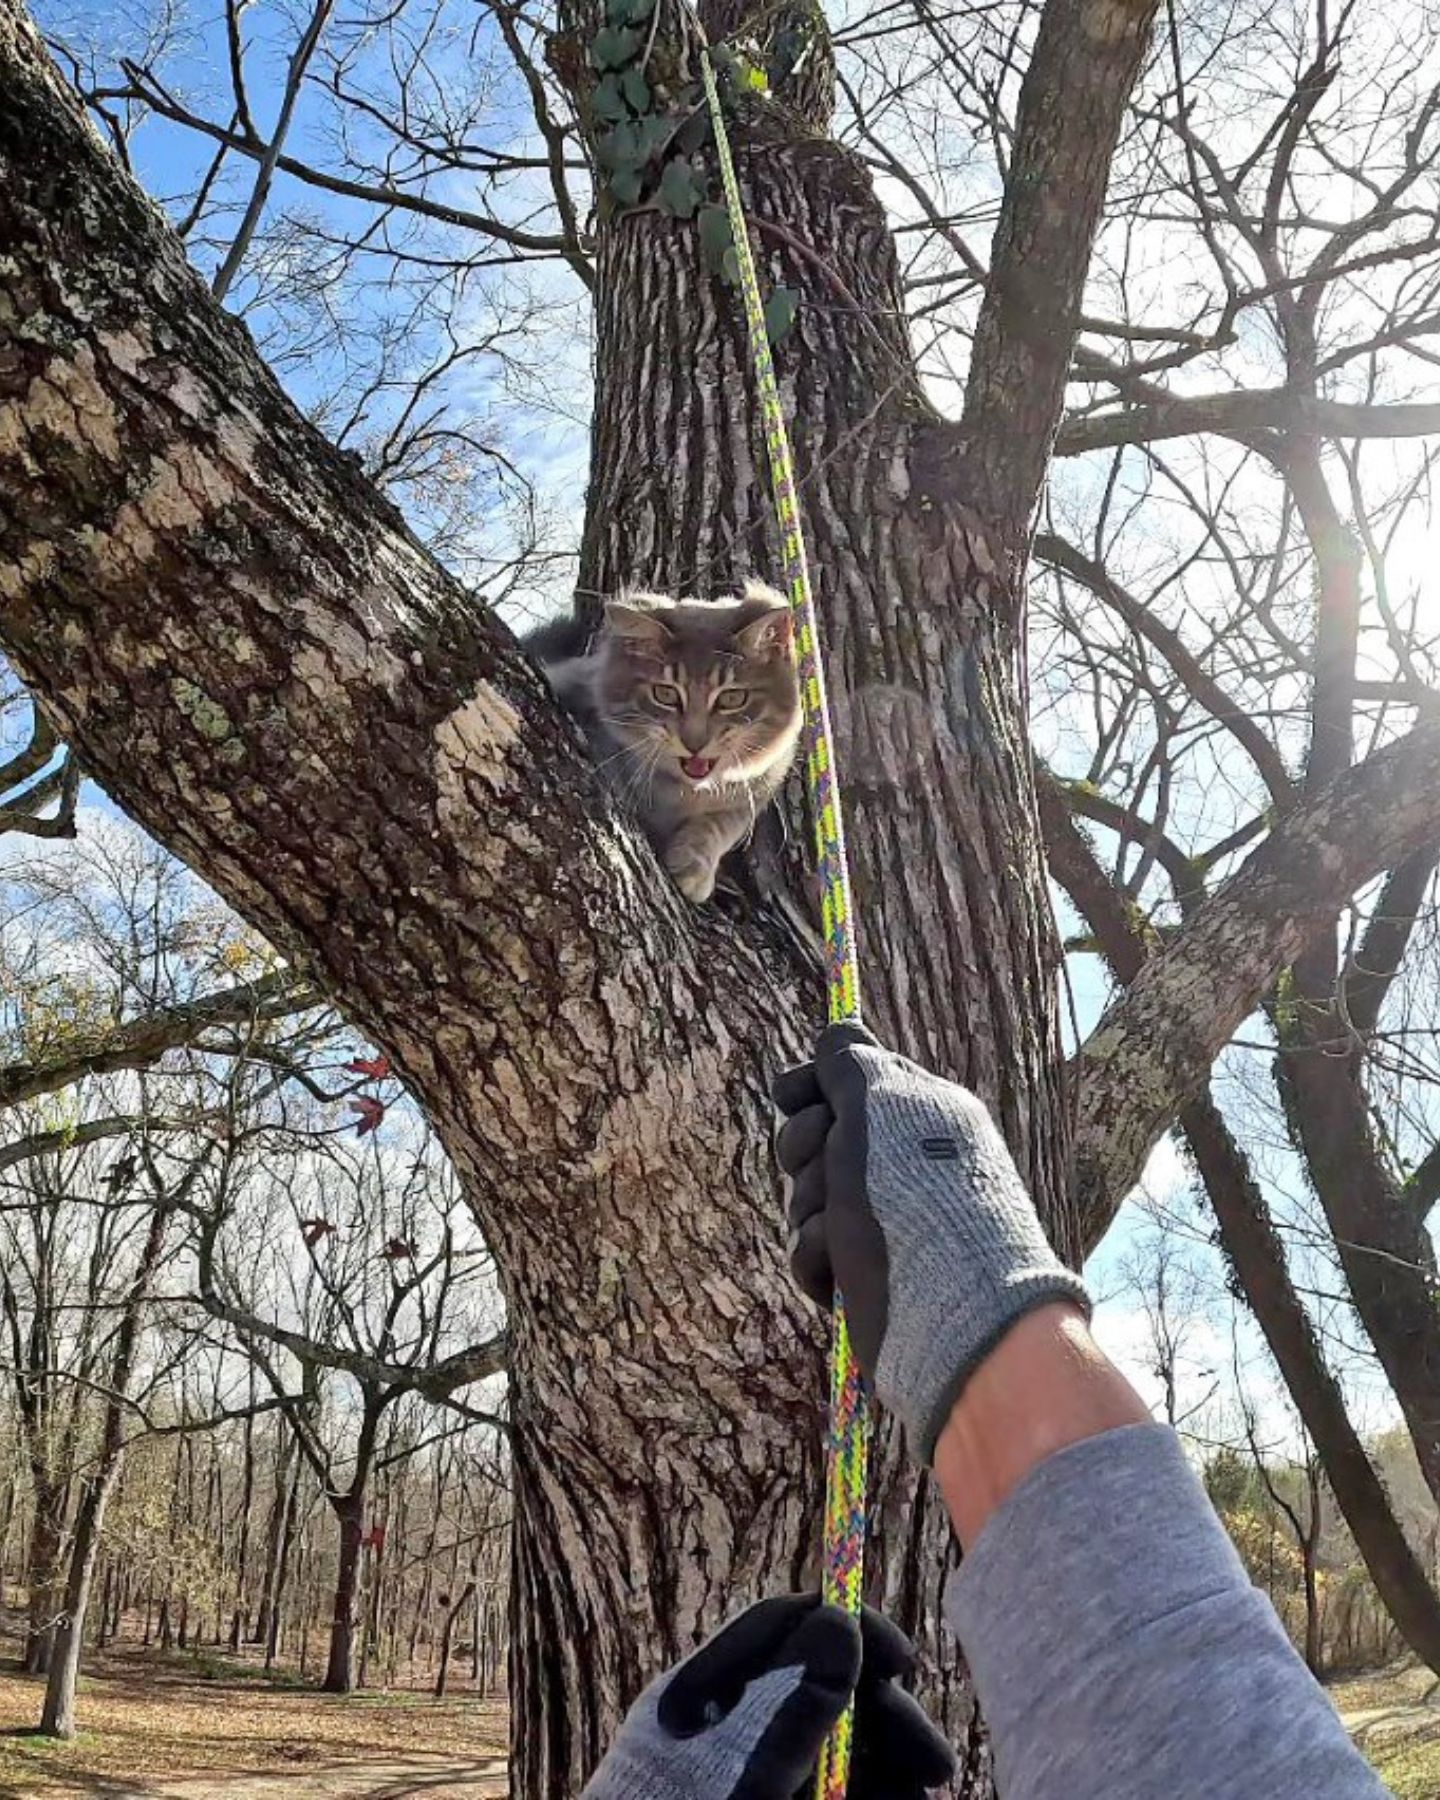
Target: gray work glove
[(904, 1195), (744, 1717)]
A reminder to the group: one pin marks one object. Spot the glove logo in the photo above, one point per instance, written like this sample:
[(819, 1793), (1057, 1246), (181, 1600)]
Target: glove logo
[(940, 1149)]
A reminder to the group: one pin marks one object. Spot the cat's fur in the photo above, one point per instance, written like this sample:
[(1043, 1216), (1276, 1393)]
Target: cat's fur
[(667, 687)]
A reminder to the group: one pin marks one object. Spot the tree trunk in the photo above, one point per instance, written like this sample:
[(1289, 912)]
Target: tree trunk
[(57, 1718), (247, 1499), (285, 1449), (1384, 1247), (340, 1670), (1256, 1254), (447, 1634), (43, 1568), (276, 1595)]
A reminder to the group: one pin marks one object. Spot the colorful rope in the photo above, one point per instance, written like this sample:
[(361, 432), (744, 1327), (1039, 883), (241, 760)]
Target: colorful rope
[(848, 1444)]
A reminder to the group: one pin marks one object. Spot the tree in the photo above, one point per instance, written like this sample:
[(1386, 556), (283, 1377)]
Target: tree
[(357, 1277), (311, 712)]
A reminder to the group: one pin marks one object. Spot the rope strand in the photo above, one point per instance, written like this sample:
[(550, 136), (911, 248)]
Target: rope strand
[(848, 1442)]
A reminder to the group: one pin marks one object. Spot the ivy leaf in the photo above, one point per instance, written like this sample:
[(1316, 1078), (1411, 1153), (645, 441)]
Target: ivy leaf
[(652, 134), (679, 190), (607, 102), (612, 48), (715, 239), (619, 148), (694, 134), (780, 312), (635, 89), (730, 266), (625, 185)]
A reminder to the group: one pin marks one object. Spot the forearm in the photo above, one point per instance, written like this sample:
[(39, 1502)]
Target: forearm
[(1045, 1385), (1117, 1644)]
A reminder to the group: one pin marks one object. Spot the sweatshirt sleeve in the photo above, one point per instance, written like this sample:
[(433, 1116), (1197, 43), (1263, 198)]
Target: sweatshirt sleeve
[(1120, 1651)]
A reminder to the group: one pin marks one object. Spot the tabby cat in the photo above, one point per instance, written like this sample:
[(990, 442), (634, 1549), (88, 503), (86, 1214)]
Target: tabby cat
[(692, 709)]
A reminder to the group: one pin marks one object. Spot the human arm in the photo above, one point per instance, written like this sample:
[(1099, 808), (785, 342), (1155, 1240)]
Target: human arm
[(1118, 1647)]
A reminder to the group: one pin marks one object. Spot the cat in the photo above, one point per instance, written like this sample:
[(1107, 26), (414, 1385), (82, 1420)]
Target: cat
[(692, 709)]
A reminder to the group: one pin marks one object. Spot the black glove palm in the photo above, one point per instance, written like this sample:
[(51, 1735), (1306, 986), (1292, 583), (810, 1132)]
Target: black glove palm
[(744, 1718)]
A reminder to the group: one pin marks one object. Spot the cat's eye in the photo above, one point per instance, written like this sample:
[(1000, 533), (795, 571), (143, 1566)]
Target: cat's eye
[(663, 694), (730, 700)]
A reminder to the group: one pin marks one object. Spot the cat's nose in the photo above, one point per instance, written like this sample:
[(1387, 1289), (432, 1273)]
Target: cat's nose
[(695, 735)]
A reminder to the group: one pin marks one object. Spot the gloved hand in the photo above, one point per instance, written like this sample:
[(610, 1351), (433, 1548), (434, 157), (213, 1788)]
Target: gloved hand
[(747, 1714), (905, 1197)]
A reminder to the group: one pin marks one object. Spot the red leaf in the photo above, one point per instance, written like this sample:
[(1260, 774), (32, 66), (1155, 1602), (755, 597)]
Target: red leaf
[(398, 1248), (371, 1113), (373, 1068), (315, 1229)]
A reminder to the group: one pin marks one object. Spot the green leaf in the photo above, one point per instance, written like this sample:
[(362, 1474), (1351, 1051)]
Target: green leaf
[(607, 102), (694, 133), (756, 79), (780, 312), (652, 134), (612, 48), (625, 185), (619, 148), (636, 90), (715, 239), (679, 190), (730, 266)]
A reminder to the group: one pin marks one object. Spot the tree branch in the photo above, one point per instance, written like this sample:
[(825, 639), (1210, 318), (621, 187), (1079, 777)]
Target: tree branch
[(1241, 415), (139, 1042), (1154, 1048), (1072, 101), (1201, 686)]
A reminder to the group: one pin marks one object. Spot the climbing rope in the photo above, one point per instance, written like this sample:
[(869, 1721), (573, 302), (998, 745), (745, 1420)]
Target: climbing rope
[(848, 1442)]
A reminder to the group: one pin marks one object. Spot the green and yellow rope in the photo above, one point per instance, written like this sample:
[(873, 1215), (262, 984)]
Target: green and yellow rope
[(848, 1444)]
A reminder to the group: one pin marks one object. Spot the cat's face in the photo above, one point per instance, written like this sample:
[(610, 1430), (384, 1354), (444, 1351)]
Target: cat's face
[(705, 690)]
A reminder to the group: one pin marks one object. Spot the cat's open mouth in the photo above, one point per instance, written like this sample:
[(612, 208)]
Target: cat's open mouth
[(698, 768)]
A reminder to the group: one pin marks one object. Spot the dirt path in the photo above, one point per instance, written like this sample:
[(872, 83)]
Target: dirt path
[(431, 1777)]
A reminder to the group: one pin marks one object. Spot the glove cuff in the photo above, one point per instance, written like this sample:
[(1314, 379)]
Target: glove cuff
[(953, 1355)]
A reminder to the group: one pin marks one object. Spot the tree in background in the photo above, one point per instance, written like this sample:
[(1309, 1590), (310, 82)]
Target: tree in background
[(202, 1239)]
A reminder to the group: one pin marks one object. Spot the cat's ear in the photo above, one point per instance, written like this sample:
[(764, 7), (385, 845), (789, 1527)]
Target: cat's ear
[(637, 623), (770, 631)]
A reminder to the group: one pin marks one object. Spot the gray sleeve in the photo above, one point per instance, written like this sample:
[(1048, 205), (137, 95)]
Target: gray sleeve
[(1120, 1651)]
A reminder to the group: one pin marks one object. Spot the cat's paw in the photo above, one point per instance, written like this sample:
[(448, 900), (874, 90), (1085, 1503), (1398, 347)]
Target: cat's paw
[(692, 871)]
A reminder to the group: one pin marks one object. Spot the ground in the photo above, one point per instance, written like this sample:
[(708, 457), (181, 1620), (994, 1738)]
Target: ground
[(1394, 1716), (184, 1730), (189, 1728)]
